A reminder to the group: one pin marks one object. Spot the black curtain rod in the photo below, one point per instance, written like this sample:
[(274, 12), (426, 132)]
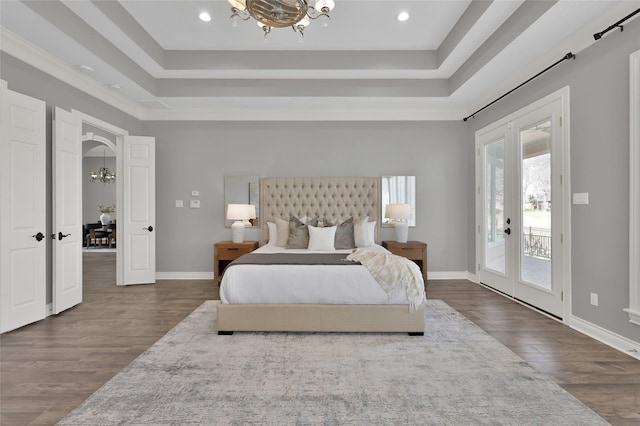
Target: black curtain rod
[(564, 58), (599, 35)]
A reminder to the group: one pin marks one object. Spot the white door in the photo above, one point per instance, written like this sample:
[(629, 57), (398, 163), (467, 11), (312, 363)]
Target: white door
[(67, 210), (139, 212), (22, 210), (519, 172)]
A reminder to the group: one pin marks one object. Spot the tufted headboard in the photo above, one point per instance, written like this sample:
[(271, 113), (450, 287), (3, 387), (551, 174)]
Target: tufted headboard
[(335, 198)]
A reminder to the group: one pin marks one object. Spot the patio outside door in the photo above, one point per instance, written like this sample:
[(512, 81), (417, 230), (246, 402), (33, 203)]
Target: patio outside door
[(519, 206)]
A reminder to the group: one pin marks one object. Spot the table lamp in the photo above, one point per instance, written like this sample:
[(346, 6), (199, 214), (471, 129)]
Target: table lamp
[(239, 213), (399, 213)]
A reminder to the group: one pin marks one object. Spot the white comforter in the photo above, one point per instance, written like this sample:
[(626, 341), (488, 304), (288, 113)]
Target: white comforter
[(321, 284)]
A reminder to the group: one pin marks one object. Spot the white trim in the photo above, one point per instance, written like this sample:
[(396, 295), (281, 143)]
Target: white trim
[(45, 62), (605, 336), (447, 275), (49, 309), (3, 84), (184, 276), (634, 188), (87, 137), (472, 277)]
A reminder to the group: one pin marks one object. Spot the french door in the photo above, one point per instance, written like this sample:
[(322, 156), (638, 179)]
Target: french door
[(519, 205)]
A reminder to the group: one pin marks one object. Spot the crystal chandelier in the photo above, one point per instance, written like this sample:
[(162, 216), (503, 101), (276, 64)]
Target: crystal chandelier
[(103, 175), (281, 13)]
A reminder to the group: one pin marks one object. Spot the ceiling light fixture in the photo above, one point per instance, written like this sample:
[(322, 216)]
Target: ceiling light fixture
[(402, 16), (204, 16), (281, 13), (86, 68), (104, 175)]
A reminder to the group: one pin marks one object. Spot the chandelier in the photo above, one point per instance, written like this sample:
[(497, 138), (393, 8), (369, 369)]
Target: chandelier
[(281, 13), (103, 175)]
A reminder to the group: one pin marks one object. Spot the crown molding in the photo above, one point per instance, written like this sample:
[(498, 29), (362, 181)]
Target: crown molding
[(32, 55)]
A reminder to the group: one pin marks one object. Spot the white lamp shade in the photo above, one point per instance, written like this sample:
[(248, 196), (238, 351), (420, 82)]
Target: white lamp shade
[(237, 212), (251, 211), (398, 211)]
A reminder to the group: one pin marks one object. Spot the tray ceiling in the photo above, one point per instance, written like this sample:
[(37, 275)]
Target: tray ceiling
[(157, 60)]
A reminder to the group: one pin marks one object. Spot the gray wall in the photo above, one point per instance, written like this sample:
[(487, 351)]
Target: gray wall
[(599, 102), (32, 82), (197, 156)]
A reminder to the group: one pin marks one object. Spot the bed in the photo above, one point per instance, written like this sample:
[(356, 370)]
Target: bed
[(314, 297)]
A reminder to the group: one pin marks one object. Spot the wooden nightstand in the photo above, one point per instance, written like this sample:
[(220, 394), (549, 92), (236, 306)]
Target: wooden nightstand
[(414, 250), (226, 251)]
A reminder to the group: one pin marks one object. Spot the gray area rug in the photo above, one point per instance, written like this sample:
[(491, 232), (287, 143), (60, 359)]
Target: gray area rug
[(456, 374)]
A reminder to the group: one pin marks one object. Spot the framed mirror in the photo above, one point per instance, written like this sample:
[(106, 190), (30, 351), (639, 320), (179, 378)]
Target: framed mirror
[(398, 190), (242, 190)]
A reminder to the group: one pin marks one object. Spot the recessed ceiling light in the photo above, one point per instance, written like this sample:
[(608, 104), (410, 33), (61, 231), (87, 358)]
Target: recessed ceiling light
[(402, 16), (204, 16), (115, 86), (85, 68)]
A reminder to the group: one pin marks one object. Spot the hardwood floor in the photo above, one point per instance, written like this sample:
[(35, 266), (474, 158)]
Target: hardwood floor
[(48, 368)]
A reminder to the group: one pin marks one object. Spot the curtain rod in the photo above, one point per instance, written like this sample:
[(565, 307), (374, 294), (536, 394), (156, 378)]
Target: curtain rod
[(599, 35), (564, 58)]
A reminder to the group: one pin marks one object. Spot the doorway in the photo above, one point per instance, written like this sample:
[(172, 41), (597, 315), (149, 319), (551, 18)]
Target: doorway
[(520, 205), (99, 193)]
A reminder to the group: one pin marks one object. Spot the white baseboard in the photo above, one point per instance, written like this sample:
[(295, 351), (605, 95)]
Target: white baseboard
[(447, 275), (605, 336), (184, 275)]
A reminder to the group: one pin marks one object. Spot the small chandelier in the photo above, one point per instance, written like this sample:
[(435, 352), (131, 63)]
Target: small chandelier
[(281, 13), (103, 175)]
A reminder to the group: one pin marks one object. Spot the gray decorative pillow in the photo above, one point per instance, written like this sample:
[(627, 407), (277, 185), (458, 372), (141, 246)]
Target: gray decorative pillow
[(344, 234), (299, 232)]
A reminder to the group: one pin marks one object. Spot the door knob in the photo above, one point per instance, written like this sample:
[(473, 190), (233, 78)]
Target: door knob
[(508, 221), (39, 236), (150, 228), (61, 236), (507, 231)]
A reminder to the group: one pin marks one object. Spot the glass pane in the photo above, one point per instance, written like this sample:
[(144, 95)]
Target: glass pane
[(536, 204), (494, 206)]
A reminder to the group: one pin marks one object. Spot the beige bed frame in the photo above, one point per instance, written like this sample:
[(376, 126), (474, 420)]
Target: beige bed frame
[(336, 198)]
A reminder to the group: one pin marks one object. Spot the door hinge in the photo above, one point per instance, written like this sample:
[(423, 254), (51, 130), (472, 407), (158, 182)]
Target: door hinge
[(478, 152), (478, 190), (478, 229), (478, 266), (560, 179), (562, 296), (560, 121), (561, 238)]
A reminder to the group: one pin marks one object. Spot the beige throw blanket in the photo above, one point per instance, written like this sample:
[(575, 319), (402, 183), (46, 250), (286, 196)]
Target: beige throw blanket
[(393, 273)]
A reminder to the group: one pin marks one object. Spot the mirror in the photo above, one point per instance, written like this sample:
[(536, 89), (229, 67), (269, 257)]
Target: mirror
[(242, 190), (398, 190)]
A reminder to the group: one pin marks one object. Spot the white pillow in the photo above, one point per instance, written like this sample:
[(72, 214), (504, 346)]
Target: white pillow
[(372, 232), (361, 232), (273, 233), (282, 227), (321, 238)]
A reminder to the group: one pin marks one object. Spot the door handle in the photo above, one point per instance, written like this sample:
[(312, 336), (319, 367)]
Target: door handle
[(61, 236), (149, 228), (39, 236), (507, 231)]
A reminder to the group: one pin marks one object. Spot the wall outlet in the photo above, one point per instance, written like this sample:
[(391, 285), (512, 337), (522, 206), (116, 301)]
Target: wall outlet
[(194, 204), (179, 204), (594, 299)]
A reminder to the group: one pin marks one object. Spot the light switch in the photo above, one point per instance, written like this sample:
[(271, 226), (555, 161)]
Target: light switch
[(581, 198), (195, 193), (194, 204), (179, 204)]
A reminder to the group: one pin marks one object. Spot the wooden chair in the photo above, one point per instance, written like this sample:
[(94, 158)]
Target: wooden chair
[(112, 236), (95, 235)]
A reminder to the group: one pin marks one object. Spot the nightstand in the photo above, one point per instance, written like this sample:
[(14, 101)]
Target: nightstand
[(224, 252), (414, 250)]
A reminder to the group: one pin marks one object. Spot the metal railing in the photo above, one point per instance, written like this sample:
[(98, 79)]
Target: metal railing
[(537, 242)]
